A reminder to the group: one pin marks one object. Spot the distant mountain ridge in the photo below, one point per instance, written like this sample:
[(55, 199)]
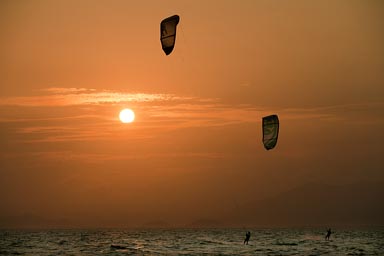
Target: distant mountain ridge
[(308, 205), (316, 204)]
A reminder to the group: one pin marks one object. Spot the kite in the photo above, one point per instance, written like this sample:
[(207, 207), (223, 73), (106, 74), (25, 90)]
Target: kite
[(168, 33), (270, 131)]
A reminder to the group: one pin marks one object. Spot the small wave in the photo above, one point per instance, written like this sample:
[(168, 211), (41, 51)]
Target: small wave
[(287, 243), (207, 242), (117, 247), (357, 251), (16, 243), (17, 253), (210, 241), (122, 248), (62, 242)]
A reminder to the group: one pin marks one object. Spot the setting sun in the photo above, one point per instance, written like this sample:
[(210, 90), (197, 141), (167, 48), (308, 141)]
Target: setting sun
[(127, 115), (250, 135)]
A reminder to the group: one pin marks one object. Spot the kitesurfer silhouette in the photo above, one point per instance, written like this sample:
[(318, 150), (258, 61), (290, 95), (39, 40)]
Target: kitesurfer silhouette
[(247, 236), (328, 235)]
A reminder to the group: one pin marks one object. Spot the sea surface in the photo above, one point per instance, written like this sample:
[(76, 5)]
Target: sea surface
[(191, 242)]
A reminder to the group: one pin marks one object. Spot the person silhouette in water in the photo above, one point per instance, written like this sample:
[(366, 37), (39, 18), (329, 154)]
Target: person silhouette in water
[(247, 236), (328, 235)]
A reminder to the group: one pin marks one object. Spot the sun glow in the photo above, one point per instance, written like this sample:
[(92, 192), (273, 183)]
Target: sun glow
[(127, 116)]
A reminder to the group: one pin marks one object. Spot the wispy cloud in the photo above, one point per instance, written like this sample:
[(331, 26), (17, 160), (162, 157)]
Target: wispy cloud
[(102, 157), (80, 114), (83, 96)]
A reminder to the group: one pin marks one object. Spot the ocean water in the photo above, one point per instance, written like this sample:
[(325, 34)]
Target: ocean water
[(191, 242)]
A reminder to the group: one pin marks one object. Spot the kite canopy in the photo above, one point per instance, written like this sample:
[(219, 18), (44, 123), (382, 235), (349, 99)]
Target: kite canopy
[(270, 131), (168, 33)]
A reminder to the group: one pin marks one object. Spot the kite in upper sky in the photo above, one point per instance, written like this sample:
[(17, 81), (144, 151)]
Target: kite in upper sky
[(168, 33), (270, 131)]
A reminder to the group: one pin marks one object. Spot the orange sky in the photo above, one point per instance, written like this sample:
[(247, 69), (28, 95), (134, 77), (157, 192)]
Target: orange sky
[(194, 151)]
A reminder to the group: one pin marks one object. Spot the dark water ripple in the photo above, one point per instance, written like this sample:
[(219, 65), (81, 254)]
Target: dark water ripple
[(274, 242)]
